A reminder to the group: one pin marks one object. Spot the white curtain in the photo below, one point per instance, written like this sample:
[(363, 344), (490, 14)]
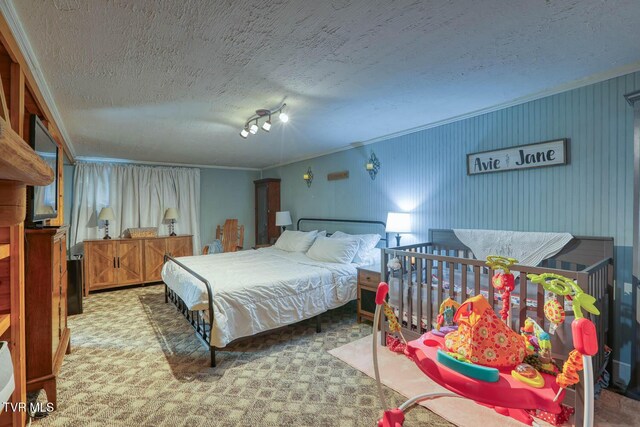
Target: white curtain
[(139, 197)]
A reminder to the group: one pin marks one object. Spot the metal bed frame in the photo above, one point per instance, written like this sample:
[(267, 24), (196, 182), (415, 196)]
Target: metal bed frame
[(201, 321)]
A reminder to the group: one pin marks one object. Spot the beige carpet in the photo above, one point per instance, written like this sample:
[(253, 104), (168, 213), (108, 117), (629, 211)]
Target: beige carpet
[(402, 375), (136, 362)]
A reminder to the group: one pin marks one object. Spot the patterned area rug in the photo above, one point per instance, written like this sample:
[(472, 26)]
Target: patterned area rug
[(136, 362)]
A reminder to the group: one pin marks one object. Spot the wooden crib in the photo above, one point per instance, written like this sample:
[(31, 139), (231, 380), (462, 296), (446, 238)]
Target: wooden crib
[(447, 268)]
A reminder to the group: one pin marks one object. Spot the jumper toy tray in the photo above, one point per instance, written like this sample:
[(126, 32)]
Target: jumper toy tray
[(507, 392)]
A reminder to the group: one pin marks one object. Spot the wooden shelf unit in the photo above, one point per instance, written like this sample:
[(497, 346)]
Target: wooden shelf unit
[(20, 166)]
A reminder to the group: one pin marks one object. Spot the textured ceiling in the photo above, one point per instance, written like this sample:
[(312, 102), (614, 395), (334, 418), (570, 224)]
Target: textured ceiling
[(174, 81)]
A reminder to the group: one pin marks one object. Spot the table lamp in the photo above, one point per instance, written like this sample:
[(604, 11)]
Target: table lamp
[(171, 215), (283, 219), (106, 215), (398, 223)]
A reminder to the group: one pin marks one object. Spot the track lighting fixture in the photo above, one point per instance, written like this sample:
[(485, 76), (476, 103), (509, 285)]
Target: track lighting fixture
[(251, 126)]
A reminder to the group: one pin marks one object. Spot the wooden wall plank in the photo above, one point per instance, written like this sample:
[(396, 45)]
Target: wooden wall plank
[(18, 320), (16, 106), (19, 162), (4, 108)]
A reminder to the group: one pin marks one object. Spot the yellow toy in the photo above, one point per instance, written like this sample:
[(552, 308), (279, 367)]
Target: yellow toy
[(527, 374)]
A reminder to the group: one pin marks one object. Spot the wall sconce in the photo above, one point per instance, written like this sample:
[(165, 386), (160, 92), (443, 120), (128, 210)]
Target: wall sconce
[(373, 166), (308, 177), (252, 124)]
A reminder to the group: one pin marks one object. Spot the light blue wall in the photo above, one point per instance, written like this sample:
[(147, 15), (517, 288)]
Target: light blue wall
[(224, 193), (227, 194), (425, 173)]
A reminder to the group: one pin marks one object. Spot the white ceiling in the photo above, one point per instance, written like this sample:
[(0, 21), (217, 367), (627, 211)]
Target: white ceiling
[(174, 81)]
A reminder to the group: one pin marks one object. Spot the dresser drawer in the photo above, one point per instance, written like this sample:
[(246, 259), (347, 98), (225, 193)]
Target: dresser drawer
[(368, 279)]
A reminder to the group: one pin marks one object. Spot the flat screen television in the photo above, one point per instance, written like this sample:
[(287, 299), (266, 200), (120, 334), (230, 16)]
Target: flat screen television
[(42, 201)]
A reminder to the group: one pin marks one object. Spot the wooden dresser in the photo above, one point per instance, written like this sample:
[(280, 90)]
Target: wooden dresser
[(47, 334), (113, 263)]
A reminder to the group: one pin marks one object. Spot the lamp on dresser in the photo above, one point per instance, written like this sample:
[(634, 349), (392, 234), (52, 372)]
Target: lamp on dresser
[(106, 215), (171, 215), (283, 219)]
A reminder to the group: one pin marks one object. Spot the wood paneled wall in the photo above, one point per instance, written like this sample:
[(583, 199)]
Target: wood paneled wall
[(425, 173)]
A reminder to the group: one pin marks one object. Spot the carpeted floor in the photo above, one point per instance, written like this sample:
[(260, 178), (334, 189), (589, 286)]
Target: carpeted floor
[(136, 362)]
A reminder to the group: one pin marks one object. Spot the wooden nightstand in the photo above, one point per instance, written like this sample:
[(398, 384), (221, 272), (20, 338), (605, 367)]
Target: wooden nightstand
[(368, 281)]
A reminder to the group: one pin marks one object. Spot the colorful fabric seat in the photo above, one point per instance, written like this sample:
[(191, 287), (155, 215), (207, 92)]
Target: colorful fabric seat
[(483, 338)]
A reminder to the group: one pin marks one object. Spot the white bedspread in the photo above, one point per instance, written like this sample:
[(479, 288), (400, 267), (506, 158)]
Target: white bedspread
[(259, 290), (529, 248)]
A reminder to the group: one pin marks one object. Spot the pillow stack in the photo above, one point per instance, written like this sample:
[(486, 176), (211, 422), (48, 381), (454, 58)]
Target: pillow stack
[(367, 242), (326, 249), (340, 248), (296, 241)]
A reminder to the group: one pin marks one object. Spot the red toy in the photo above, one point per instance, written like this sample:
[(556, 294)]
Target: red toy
[(503, 281)]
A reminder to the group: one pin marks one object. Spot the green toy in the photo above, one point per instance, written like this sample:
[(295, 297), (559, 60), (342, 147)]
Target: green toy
[(564, 286)]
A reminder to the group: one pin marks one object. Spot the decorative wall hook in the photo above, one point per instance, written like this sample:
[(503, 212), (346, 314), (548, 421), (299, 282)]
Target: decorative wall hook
[(373, 166), (308, 177)]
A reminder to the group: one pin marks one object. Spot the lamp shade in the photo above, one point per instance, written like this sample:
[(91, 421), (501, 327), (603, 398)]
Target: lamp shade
[(106, 214), (283, 218), (171, 213), (398, 222)]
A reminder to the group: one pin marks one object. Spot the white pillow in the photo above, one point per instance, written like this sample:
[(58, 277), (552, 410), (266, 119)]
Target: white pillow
[(296, 241), (333, 250), (373, 257), (367, 242)]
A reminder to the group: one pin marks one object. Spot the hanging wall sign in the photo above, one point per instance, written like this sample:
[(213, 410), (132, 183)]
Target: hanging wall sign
[(550, 153)]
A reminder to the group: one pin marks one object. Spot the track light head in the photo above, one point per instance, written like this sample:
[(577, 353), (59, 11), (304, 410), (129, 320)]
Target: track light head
[(244, 133), (284, 118), (267, 125), (254, 128)]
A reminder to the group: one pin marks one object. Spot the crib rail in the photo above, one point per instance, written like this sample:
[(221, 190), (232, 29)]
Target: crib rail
[(426, 274)]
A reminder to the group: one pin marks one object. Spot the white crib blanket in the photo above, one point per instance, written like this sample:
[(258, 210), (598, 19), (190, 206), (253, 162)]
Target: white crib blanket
[(529, 248)]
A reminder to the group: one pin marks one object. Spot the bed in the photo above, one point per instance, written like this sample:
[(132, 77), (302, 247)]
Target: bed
[(425, 274), (230, 296)]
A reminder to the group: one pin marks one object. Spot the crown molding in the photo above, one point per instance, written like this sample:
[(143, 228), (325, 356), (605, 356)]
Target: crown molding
[(576, 84), (150, 163), (15, 25)]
